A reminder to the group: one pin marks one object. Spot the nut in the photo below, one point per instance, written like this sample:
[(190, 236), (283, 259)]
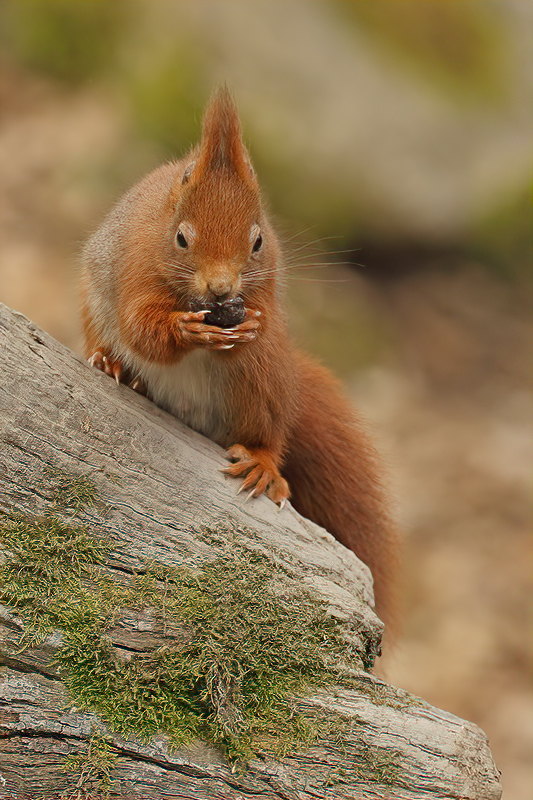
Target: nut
[(223, 315)]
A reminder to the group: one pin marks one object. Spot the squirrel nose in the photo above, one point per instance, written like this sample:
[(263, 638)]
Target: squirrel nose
[(220, 288)]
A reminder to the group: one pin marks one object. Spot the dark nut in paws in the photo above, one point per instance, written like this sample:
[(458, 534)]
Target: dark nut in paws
[(223, 315)]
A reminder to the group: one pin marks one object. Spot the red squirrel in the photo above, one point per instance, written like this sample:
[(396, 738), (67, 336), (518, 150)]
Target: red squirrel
[(194, 232)]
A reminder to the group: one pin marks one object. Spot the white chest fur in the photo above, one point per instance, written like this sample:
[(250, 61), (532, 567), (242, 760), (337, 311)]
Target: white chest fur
[(193, 390)]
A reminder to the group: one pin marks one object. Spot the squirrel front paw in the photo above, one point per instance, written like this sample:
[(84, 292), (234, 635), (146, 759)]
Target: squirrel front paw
[(192, 331), (259, 472), (114, 368)]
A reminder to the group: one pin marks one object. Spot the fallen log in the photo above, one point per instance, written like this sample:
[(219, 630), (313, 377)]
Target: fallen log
[(161, 638)]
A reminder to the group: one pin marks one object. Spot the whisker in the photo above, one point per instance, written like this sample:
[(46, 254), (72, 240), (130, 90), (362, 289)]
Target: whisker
[(292, 268), (259, 275), (322, 265), (291, 237), (308, 258), (185, 268), (321, 239), (305, 246), (319, 280), (250, 278)]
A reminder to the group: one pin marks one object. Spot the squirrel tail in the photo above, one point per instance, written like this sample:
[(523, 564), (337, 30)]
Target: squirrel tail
[(335, 481)]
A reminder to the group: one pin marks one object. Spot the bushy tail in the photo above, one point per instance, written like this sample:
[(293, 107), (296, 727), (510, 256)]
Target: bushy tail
[(335, 481)]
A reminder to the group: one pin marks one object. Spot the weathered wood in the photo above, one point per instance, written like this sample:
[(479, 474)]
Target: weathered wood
[(162, 488)]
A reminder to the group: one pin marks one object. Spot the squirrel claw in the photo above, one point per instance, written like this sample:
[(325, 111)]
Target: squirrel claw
[(138, 386), (114, 369), (259, 474), (97, 360)]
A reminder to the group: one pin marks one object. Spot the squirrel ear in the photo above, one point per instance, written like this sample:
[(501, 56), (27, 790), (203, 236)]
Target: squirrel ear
[(221, 146)]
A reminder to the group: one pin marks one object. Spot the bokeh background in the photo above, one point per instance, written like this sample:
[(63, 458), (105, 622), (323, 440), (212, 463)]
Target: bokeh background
[(393, 141)]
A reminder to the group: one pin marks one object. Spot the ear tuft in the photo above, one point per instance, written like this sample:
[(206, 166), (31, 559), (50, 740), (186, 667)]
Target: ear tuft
[(221, 146)]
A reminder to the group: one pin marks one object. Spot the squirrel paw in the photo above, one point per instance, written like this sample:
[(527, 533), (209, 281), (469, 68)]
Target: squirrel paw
[(114, 369), (191, 330), (259, 472)]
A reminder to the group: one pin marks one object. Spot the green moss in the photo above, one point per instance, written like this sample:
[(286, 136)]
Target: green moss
[(368, 763), (378, 765), (43, 575), (245, 636), (92, 770), (73, 492), (246, 641)]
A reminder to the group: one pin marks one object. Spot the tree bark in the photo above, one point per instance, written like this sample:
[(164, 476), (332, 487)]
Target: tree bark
[(160, 490)]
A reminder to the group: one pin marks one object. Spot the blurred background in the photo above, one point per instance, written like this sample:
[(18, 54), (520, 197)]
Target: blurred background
[(393, 142)]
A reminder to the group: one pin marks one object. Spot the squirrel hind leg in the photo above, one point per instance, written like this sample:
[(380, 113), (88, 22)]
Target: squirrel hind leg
[(259, 473)]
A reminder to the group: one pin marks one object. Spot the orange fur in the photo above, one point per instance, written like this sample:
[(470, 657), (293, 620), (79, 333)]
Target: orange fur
[(283, 416)]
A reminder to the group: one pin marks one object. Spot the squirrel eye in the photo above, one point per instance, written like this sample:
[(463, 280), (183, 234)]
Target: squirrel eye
[(257, 244), (180, 239)]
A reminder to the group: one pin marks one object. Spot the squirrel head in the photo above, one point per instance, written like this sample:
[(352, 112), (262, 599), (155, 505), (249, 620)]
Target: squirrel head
[(223, 243)]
